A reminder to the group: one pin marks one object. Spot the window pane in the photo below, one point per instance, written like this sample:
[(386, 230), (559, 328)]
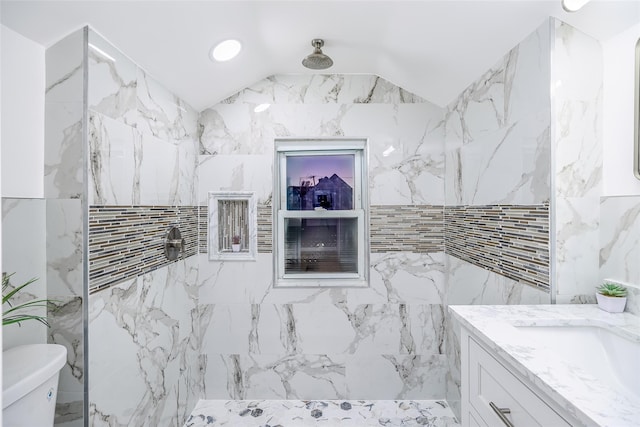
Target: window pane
[(320, 182), (321, 245)]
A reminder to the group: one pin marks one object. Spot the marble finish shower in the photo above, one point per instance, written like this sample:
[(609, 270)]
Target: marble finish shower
[(126, 159)]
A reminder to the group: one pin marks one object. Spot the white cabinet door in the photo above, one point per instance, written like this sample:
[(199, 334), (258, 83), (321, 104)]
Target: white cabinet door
[(493, 389)]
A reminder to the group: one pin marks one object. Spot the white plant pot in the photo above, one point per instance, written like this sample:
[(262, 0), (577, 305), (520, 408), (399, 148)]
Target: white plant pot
[(611, 304), (235, 247)]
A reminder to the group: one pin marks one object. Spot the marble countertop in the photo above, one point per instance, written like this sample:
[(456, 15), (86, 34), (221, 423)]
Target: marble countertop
[(589, 401)]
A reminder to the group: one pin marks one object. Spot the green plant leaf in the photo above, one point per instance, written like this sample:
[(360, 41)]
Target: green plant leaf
[(612, 290), (7, 297), (8, 320), (14, 314)]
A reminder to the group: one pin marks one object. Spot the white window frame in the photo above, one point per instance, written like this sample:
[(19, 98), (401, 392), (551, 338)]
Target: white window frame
[(307, 147)]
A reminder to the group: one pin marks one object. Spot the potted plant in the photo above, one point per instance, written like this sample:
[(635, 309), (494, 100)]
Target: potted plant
[(16, 313), (235, 246), (611, 297)]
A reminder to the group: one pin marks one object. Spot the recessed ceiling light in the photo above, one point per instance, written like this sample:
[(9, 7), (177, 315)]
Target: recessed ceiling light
[(226, 50), (573, 5)]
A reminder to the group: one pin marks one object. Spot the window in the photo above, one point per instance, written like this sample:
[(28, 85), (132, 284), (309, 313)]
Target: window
[(320, 213)]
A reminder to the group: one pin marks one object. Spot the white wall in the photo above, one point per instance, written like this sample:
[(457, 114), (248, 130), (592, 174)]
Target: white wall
[(23, 86), (1, 179), (24, 256), (619, 55), (22, 153)]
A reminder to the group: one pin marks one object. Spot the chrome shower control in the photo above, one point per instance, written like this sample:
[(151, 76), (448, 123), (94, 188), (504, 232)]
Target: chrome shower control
[(173, 244)]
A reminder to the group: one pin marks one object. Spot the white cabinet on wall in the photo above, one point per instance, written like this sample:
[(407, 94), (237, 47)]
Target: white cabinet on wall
[(493, 395)]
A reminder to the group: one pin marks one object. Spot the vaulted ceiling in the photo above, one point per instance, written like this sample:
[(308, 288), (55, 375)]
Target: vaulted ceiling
[(433, 48)]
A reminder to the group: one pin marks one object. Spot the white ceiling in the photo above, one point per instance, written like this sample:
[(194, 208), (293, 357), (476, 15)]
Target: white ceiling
[(432, 48)]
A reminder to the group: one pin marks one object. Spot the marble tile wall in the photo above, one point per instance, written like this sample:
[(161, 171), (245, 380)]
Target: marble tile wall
[(497, 131), (296, 343), (576, 81), (381, 342), (143, 139), (498, 151), (144, 343), (64, 103), (619, 235), (144, 336), (65, 194)]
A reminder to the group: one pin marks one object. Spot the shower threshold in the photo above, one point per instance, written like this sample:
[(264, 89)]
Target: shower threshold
[(302, 413)]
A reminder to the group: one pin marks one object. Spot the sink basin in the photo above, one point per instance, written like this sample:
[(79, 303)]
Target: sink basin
[(603, 354)]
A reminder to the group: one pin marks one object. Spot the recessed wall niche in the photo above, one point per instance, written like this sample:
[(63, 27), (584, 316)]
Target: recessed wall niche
[(232, 226)]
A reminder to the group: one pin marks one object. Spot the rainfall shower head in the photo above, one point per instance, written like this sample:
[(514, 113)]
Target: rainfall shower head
[(317, 60)]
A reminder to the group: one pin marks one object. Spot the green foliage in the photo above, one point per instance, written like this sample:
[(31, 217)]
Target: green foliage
[(21, 312), (612, 290)]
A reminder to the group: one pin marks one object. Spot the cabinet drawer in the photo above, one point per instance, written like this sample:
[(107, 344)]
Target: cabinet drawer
[(489, 381), (473, 422)]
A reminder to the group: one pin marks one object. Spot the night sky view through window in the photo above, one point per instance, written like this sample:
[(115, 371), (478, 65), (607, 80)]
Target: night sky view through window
[(310, 168)]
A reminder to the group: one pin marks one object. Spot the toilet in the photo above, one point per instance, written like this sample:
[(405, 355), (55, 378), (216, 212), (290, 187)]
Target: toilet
[(30, 384)]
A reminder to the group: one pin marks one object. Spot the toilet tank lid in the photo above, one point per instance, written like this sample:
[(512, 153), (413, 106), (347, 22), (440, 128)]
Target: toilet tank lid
[(25, 367)]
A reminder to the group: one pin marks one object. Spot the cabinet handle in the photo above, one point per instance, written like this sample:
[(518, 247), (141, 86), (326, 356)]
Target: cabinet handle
[(500, 413)]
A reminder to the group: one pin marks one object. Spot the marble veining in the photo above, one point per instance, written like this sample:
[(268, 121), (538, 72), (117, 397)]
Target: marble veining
[(63, 161), (497, 132), (65, 193), (142, 138), (292, 413), (427, 269), (66, 329), (154, 327), (330, 350), (591, 402), (63, 165), (405, 135), (576, 150), (113, 83), (323, 88), (619, 236), (163, 114)]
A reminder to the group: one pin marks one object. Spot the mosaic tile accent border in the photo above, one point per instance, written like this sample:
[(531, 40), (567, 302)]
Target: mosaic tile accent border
[(127, 241), (203, 220), (393, 228), (509, 240), (265, 229), (406, 228)]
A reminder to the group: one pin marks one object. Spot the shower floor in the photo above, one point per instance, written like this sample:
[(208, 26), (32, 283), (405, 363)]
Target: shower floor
[(302, 413)]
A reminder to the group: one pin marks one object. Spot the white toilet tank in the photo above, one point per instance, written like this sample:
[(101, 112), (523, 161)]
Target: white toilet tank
[(30, 384)]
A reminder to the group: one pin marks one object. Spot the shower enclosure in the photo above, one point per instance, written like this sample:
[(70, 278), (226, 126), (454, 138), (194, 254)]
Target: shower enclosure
[(126, 160)]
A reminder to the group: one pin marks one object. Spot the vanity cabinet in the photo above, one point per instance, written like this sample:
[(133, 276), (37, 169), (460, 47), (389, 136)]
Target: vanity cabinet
[(493, 396)]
